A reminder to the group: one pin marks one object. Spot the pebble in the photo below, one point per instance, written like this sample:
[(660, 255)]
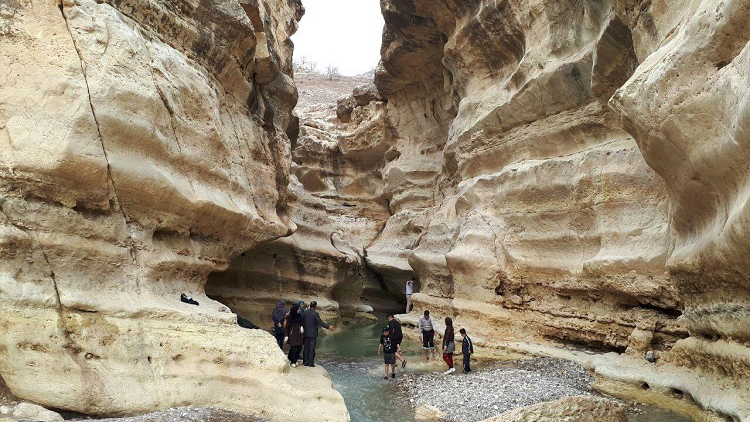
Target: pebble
[(482, 394)]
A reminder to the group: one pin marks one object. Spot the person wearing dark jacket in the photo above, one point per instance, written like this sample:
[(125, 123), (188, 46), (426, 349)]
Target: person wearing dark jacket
[(278, 315), (467, 349), (397, 336), (310, 323), (293, 325)]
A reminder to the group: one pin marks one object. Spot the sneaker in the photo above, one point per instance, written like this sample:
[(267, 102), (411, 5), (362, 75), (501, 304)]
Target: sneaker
[(403, 364), (294, 365), (385, 378), (450, 371), (393, 375)]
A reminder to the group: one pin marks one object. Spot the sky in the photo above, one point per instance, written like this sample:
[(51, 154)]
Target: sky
[(342, 33)]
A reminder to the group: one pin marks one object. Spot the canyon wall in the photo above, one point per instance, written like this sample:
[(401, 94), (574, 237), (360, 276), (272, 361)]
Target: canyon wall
[(336, 202), (529, 205), (571, 172), (143, 145)]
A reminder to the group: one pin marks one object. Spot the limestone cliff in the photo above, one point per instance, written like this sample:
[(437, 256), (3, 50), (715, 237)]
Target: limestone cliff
[(577, 172), (336, 202), (565, 171), (143, 145)]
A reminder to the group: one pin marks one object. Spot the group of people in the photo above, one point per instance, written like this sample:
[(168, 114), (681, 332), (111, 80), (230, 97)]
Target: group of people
[(299, 328), (448, 346), (390, 344)]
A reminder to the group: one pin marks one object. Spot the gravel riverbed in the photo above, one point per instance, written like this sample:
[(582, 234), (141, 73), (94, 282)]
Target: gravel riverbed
[(485, 393)]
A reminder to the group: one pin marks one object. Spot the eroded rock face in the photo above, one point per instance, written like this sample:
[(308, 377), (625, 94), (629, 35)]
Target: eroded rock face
[(524, 200), (143, 146), (338, 207), (687, 105), (570, 171)]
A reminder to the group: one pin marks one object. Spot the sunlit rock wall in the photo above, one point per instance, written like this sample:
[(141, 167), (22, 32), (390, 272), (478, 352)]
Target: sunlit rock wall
[(142, 146)]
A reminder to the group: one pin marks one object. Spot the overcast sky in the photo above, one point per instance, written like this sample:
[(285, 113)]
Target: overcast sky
[(344, 33)]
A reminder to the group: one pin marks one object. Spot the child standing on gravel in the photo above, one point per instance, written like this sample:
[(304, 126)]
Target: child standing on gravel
[(467, 349), (449, 345), (389, 349)]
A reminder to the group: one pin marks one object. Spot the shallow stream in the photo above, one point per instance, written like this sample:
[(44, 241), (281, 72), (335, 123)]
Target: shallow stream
[(350, 356)]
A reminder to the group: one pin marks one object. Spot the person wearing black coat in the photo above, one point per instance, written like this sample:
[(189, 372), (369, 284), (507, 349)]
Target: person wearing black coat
[(293, 326), (397, 336), (277, 316), (310, 322), (467, 349)]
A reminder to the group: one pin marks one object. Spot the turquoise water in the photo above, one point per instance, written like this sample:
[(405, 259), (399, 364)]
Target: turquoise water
[(350, 356)]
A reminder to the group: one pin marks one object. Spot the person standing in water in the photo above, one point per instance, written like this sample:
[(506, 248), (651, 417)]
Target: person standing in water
[(294, 334), (427, 335), (398, 336), (409, 292), (310, 323), (467, 349), (389, 349), (449, 345), (278, 315)]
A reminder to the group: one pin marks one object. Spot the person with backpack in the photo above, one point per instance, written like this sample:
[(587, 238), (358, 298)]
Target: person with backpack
[(449, 345), (389, 349)]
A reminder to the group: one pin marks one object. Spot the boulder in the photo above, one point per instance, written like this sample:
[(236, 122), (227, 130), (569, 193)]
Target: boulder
[(426, 412), (34, 412), (365, 94), (344, 108), (578, 409)]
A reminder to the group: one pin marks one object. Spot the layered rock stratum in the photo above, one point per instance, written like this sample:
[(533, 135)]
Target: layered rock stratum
[(567, 172), (143, 145), (559, 172)]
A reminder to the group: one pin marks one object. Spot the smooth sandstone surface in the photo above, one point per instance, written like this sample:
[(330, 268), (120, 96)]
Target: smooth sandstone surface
[(569, 172), (572, 172), (579, 409), (143, 146)]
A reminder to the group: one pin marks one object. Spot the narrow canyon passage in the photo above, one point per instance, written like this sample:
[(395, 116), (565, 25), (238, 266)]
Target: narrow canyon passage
[(566, 179)]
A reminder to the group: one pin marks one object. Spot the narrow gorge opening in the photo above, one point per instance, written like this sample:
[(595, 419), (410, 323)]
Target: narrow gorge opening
[(336, 202), (566, 180)]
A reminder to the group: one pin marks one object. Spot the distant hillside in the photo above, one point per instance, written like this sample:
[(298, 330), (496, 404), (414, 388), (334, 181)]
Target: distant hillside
[(317, 90)]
